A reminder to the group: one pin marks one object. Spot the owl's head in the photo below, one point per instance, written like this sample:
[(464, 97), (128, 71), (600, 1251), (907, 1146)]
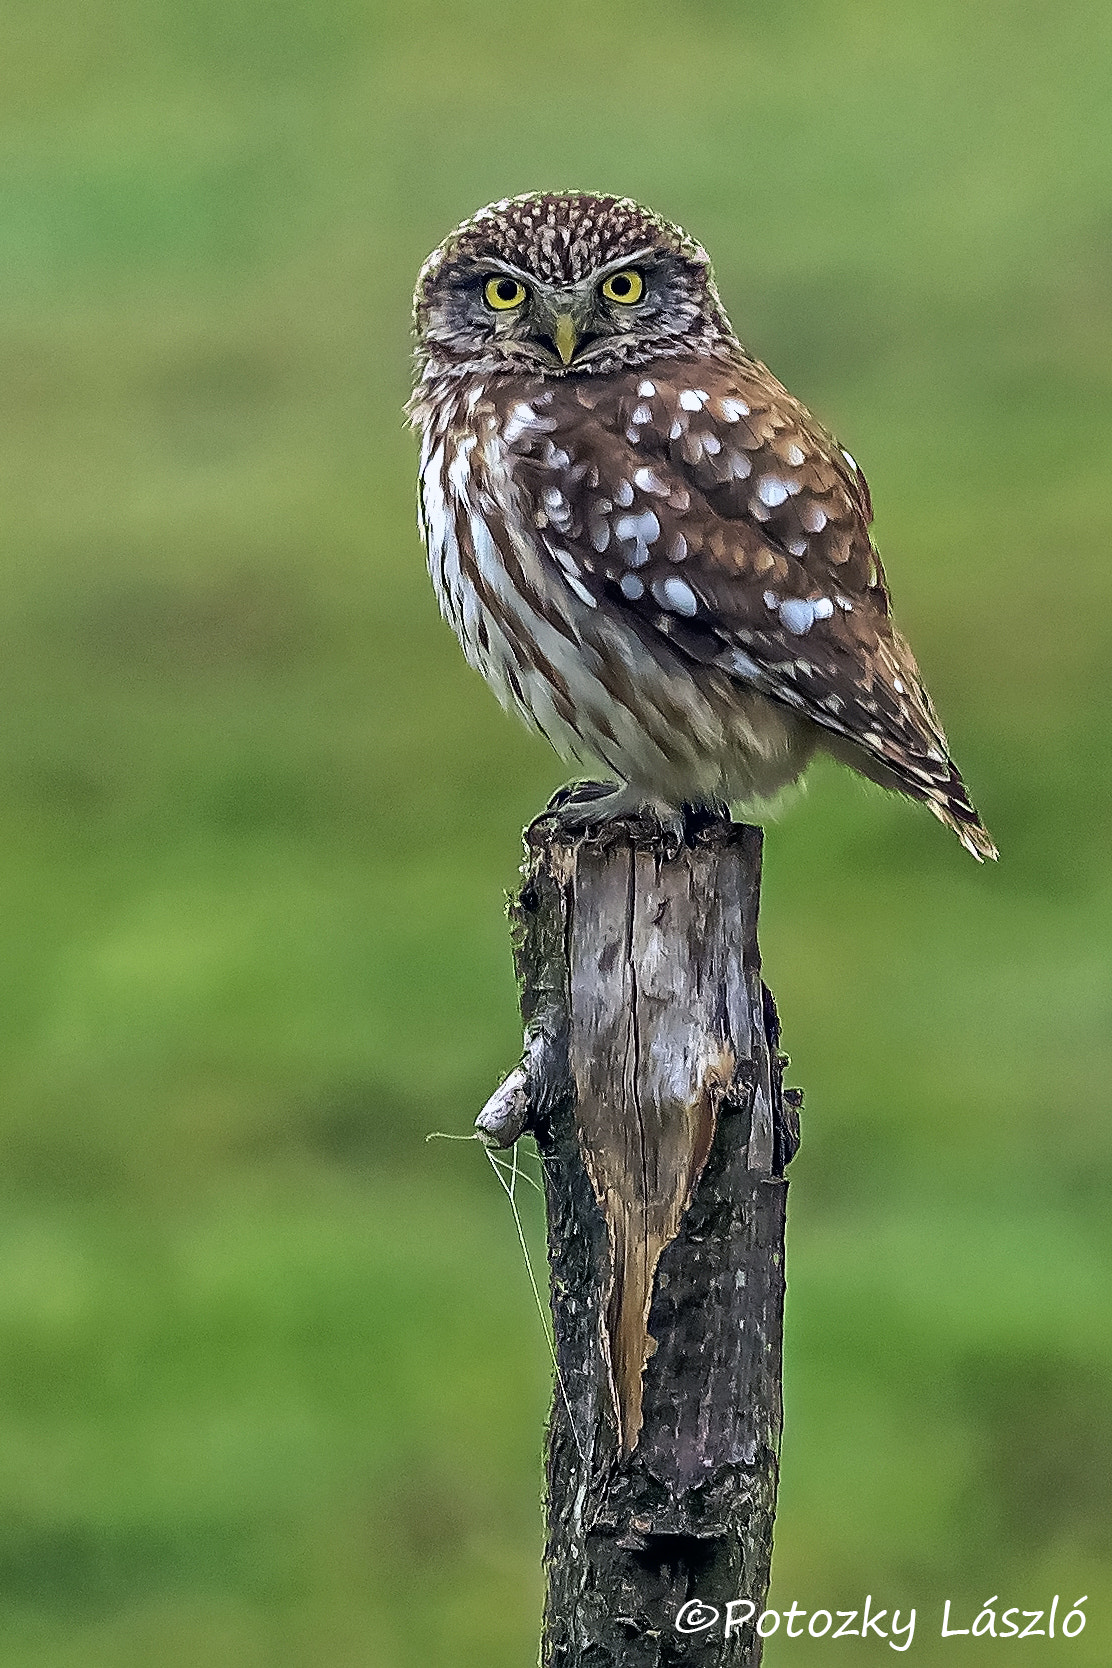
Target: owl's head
[(563, 284)]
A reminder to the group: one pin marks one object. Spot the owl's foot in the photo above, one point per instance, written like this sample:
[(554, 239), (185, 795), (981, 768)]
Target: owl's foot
[(580, 796), (592, 809)]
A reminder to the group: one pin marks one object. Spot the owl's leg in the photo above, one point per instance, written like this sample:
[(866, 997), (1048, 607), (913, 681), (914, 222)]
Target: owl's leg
[(589, 808)]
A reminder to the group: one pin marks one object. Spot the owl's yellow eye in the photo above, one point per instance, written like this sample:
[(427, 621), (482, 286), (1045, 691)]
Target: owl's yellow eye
[(626, 287), (503, 293)]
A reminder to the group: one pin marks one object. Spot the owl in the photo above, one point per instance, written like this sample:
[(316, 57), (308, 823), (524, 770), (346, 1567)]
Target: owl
[(645, 544)]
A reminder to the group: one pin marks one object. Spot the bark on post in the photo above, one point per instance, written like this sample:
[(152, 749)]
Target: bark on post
[(651, 1080)]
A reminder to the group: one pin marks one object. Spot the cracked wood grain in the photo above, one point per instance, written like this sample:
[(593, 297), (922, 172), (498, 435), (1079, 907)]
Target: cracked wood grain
[(652, 1083)]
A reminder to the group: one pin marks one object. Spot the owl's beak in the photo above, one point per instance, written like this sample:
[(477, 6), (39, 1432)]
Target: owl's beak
[(566, 337)]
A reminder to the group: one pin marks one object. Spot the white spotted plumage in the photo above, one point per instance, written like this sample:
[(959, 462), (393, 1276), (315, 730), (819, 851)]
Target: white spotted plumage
[(644, 543), (518, 633)]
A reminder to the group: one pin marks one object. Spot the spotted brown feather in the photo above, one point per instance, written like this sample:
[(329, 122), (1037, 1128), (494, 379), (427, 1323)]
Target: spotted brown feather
[(657, 556), (724, 517)]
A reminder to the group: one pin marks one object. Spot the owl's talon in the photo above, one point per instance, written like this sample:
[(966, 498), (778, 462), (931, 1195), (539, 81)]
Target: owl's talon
[(580, 793), (594, 810), (698, 819), (671, 837)]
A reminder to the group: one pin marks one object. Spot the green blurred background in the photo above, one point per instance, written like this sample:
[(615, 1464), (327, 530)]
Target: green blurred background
[(271, 1382)]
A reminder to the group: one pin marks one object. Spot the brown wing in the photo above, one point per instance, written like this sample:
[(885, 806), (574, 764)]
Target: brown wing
[(706, 502)]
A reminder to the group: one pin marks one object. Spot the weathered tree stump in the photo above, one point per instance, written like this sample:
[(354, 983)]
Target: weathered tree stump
[(651, 1080)]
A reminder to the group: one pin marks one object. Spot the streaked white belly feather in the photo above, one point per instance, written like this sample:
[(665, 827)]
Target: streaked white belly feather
[(673, 734)]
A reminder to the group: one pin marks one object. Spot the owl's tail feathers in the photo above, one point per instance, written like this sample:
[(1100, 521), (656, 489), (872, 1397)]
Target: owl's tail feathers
[(956, 811), (933, 778), (936, 780), (942, 791)]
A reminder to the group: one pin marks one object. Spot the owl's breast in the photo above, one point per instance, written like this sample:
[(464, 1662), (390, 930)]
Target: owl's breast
[(517, 623), (521, 538)]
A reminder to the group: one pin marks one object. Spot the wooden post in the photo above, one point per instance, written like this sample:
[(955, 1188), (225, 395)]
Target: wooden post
[(651, 1080)]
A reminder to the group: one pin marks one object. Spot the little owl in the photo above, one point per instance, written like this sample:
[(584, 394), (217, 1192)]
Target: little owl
[(643, 542)]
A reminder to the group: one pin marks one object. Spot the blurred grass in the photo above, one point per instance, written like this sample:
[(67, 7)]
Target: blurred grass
[(271, 1389)]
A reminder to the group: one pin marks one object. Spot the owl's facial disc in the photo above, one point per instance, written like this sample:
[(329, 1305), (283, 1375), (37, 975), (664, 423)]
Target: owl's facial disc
[(561, 327), (574, 319), (566, 337), (551, 286), (564, 322)]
